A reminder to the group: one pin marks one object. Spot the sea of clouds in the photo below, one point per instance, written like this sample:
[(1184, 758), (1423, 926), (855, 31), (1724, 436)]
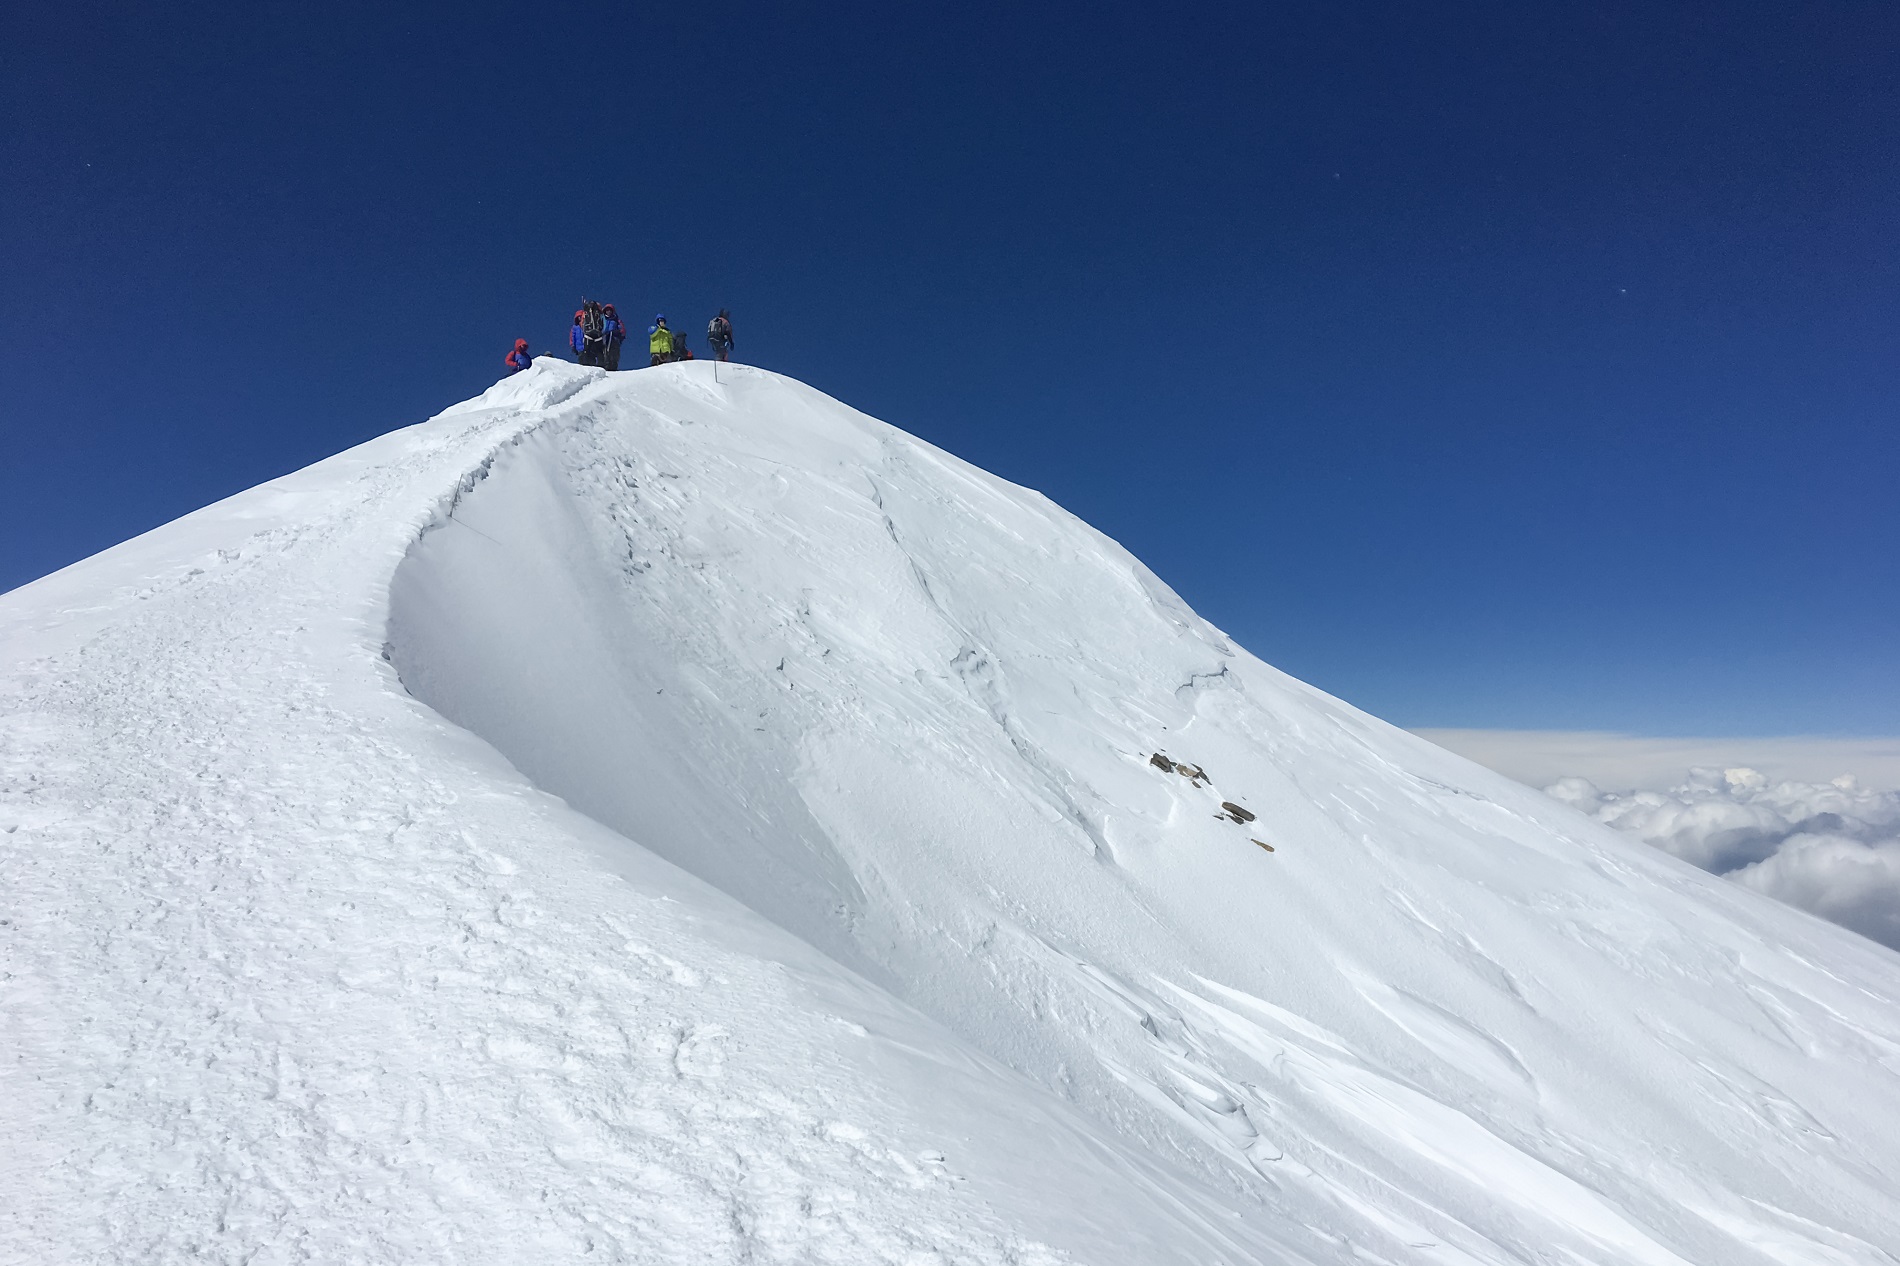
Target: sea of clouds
[(1830, 848)]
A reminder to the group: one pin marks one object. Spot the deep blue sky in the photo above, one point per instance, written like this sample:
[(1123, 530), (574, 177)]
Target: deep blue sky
[(1498, 364)]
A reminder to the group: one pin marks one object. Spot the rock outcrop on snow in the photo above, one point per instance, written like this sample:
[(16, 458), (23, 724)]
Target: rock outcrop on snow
[(644, 817)]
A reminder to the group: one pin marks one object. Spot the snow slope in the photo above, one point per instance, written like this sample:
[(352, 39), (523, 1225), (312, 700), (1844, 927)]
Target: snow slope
[(640, 817)]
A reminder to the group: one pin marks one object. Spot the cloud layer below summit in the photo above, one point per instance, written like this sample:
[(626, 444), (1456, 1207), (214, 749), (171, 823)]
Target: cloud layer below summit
[(1813, 822)]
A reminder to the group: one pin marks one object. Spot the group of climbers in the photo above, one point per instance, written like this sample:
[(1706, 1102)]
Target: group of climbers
[(598, 332)]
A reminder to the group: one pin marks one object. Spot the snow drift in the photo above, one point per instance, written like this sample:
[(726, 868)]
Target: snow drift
[(663, 819)]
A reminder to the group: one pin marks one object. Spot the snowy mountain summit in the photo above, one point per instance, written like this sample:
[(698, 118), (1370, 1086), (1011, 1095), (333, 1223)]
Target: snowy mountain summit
[(645, 818)]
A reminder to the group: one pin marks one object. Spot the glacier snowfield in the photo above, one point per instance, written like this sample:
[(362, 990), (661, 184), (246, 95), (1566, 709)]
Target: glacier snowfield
[(658, 818)]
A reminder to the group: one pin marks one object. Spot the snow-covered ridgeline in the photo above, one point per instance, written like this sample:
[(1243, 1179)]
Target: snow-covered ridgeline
[(305, 971)]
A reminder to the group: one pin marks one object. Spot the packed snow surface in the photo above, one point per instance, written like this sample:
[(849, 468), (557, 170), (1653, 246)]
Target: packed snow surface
[(655, 818)]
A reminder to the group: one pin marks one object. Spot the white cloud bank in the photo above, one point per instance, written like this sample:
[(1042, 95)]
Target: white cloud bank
[(1830, 848), (1768, 813)]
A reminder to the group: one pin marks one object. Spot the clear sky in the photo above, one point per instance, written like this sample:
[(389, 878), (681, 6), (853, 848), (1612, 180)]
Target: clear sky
[(1489, 365)]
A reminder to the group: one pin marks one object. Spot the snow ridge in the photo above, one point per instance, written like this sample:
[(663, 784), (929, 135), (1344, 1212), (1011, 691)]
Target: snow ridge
[(649, 818)]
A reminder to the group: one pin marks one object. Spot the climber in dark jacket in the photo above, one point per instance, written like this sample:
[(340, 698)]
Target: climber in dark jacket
[(616, 331), (719, 334)]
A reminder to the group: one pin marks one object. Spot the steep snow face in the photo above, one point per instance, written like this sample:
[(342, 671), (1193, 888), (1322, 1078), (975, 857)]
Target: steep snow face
[(936, 727), (941, 889), (293, 970)]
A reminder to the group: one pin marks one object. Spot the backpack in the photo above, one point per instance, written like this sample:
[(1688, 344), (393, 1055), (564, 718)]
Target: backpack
[(593, 325), (718, 330)]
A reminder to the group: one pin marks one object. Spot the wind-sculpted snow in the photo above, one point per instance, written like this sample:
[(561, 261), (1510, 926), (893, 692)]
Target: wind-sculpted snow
[(871, 928)]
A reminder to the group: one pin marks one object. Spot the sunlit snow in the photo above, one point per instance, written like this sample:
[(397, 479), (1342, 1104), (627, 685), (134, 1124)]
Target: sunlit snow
[(652, 818)]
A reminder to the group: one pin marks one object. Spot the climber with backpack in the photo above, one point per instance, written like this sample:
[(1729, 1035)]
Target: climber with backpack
[(616, 332), (593, 333), (719, 334), (518, 359), (660, 340)]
